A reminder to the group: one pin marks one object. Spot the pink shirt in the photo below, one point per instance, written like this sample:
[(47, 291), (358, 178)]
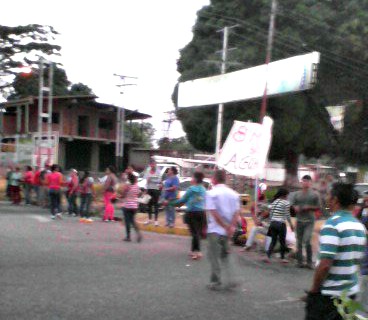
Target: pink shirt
[(28, 177), (54, 180), (131, 198)]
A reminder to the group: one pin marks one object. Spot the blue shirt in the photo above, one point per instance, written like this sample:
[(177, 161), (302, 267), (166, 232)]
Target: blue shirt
[(194, 198), (169, 183)]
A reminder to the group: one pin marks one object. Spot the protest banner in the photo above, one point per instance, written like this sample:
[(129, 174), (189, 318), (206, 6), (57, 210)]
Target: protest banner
[(246, 148)]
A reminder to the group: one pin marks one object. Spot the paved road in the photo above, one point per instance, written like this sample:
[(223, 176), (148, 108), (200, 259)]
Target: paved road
[(67, 270)]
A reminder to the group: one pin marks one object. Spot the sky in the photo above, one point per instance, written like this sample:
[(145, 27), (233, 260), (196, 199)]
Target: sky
[(139, 38)]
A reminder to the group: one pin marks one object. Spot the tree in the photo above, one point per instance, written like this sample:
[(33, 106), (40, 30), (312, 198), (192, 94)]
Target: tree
[(28, 85), (18, 45), (177, 144), (302, 125), (80, 89), (142, 134)]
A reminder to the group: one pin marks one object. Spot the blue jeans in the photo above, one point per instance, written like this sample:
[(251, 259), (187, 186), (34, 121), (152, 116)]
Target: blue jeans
[(27, 193), (170, 215), (72, 203), (86, 200), (54, 201)]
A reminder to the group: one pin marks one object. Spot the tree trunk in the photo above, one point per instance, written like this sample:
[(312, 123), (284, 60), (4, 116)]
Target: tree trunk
[(291, 168)]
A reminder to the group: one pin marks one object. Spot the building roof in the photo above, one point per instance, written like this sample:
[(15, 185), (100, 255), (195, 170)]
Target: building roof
[(89, 100)]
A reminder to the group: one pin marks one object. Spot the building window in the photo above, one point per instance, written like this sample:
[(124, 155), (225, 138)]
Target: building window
[(83, 126), (106, 124), (55, 118)]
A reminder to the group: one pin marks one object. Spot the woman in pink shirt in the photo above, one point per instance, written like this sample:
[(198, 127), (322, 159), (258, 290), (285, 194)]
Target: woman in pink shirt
[(54, 181), (109, 192)]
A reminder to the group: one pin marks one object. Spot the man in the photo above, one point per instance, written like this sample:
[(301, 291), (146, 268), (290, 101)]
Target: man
[(305, 203), (342, 245), (223, 206)]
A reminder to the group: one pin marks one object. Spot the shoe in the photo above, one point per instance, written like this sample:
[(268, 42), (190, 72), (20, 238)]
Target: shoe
[(245, 248), (300, 265), (139, 238), (58, 215), (231, 286), (147, 222), (106, 220), (53, 217), (88, 219), (74, 215), (127, 239), (214, 286), (266, 260), (309, 266), (156, 224), (199, 255), (284, 261)]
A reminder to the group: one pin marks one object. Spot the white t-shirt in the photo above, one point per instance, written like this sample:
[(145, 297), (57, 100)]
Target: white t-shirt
[(226, 202)]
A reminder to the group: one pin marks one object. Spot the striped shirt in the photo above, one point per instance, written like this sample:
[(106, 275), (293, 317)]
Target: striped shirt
[(280, 210), (131, 197), (343, 240)]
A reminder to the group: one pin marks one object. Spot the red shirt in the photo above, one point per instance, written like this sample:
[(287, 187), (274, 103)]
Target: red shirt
[(36, 178), (73, 184), (28, 177), (54, 180)]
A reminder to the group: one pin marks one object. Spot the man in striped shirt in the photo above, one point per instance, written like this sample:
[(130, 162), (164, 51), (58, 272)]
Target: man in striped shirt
[(342, 245)]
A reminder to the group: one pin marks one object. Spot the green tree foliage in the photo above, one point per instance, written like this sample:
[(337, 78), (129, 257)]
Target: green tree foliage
[(25, 85), (142, 134), (80, 89), (177, 144), (334, 28), (18, 46)]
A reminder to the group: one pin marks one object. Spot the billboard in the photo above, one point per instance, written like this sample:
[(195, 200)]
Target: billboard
[(283, 76)]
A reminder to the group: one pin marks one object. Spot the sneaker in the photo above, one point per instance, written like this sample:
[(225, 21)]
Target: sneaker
[(106, 220), (156, 224), (58, 215), (147, 222), (127, 239), (245, 248), (309, 266), (214, 286), (266, 260), (53, 217), (74, 214), (300, 265), (284, 261), (88, 219)]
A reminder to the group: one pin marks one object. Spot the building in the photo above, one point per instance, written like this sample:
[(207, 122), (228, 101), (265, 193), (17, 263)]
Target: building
[(84, 130)]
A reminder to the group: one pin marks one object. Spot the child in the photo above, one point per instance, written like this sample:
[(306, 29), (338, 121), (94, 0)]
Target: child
[(143, 200)]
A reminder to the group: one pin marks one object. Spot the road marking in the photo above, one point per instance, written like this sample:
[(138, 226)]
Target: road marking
[(41, 219)]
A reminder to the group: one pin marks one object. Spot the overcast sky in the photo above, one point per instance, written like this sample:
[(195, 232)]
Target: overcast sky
[(138, 38)]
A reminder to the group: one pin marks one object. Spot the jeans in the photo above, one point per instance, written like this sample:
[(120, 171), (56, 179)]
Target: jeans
[(320, 307), (72, 203), (15, 194), (27, 193), (304, 231), (170, 215), (54, 201), (86, 200), (129, 217), (195, 223), (364, 293), (253, 234), (153, 203), (37, 190), (218, 252), (277, 231)]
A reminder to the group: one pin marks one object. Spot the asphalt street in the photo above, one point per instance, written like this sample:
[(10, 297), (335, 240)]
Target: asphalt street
[(68, 270)]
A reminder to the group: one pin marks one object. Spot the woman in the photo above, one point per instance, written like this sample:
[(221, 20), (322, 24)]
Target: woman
[(153, 186), (109, 192), (14, 183), (87, 193), (130, 206), (194, 198), (72, 192), (171, 186), (280, 213), (28, 184), (54, 181)]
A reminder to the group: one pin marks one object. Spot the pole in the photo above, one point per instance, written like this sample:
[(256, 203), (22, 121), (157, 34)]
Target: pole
[(220, 114), (49, 122), (122, 137), (271, 34), (40, 111), (117, 143)]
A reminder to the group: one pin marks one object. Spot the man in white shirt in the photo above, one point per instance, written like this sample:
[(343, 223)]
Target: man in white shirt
[(223, 207)]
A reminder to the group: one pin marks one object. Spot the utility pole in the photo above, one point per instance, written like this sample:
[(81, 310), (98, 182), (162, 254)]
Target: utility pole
[(220, 114), (271, 34), (120, 126)]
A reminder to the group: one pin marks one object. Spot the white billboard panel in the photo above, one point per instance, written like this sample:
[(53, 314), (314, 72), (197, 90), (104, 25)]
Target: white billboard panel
[(283, 76)]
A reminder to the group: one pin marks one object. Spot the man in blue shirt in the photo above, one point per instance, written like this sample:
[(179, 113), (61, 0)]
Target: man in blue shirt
[(171, 186)]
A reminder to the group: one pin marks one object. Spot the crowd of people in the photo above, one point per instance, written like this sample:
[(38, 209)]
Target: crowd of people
[(216, 213)]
